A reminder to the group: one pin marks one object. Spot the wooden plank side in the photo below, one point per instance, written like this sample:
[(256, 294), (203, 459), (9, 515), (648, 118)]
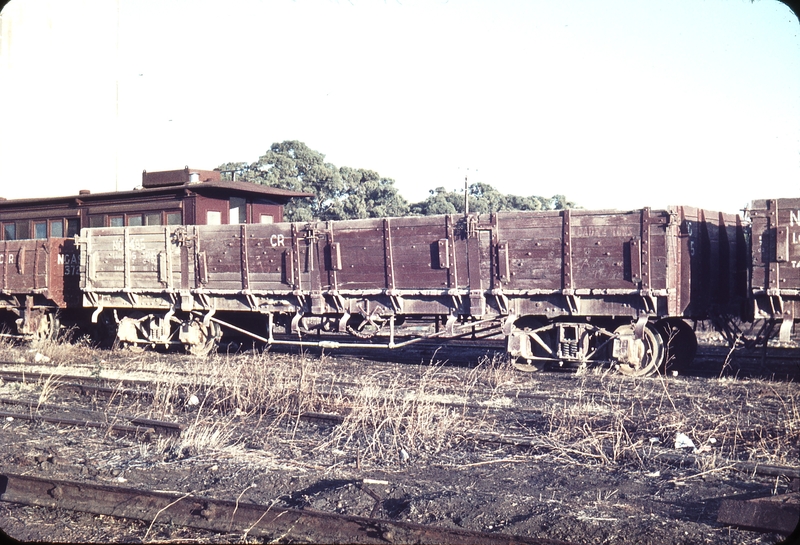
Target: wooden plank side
[(602, 264), (141, 258), (25, 266), (259, 282), (787, 244), (534, 248), (760, 244), (63, 272), (362, 255), (599, 249), (607, 250), (223, 254), (266, 245), (148, 250), (415, 245), (105, 258)]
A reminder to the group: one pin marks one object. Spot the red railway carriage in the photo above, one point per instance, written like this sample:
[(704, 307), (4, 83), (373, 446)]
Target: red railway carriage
[(570, 287), (39, 268)]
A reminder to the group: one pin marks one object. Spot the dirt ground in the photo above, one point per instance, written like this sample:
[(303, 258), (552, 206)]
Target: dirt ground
[(599, 464)]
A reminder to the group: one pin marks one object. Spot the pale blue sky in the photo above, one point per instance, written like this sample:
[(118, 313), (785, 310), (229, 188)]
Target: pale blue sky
[(614, 103)]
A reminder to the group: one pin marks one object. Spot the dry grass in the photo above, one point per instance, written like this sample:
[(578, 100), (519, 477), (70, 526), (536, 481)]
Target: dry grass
[(390, 417), (392, 423), (494, 373), (629, 421)]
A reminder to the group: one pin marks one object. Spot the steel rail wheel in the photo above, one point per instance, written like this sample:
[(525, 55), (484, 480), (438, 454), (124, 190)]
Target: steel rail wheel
[(538, 338), (651, 352), (199, 339)]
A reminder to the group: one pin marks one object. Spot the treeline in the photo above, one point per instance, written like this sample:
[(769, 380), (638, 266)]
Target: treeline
[(353, 193)]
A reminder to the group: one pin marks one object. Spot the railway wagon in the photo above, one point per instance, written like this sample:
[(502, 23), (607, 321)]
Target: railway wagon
[(570, 287), (39, 260), (775, 280), (38, 278)]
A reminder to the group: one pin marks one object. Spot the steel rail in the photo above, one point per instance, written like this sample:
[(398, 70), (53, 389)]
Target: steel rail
[(120, 428), (34, 409), (270, 521), (656, 455), (80, 387)]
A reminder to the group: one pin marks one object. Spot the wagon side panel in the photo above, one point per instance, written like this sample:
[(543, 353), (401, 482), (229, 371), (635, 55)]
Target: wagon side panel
[(357, 255), (532, 244), (132, 260), (715, 248), (255, 257), (64, 273), (581, 250), (25, 267), (775, 281), (270, 257)]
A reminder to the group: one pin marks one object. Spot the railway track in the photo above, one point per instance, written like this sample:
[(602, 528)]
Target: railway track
[(516, 401), (514, 420), (516, 411), (231, 516), (82, 418), (145, 428)]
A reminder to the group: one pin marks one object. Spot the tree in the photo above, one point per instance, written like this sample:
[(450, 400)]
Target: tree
[(293, 165), (338, 193), (368, 195), (485, 199), (354, 193), (440, 201)]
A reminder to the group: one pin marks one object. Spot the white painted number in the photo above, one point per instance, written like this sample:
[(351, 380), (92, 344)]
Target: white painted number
[(71, 264)]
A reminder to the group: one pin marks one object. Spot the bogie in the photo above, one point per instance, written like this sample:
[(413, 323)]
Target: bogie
[(534, 344), (137, 331)]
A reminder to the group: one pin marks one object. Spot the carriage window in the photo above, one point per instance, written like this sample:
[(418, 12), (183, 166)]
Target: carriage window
[(266, 218), (134, 220), (116, 221), (97, 221), (173, 218), (57, 228), (152, 219), (9, 231), (238, 210), (73, 227), (40, 229), (23, 230), (213, 217)]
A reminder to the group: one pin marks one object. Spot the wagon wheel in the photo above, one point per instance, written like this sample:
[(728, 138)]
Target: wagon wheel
[(129, 328), (47, 328), (680, 343), (536, 337), (104, 332), (206, 337), (652, 353)]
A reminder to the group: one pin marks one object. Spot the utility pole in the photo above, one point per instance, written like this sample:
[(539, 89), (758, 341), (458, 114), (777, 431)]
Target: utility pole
[(466, 197)]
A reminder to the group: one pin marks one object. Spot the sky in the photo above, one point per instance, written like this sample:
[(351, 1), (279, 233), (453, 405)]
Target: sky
[(615, 103)]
